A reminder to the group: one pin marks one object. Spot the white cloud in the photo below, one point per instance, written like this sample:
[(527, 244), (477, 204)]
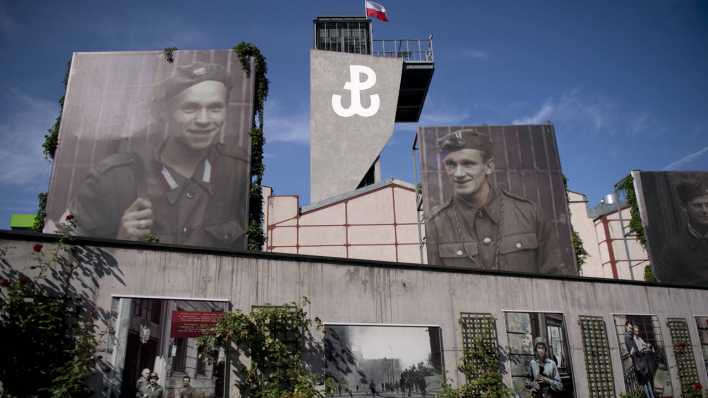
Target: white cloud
[(595, 112), (474, 54), (286, 125), (691, 157), (541, 116), (21, 137)]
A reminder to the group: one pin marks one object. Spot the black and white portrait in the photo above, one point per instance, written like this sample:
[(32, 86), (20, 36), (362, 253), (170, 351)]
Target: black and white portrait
[(494, 199), (153, 349), (539, 355), (646, 370), (155, 150), (674, 212)]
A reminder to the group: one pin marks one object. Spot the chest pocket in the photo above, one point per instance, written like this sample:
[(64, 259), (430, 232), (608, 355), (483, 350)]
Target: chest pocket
[(226, 233), (517, 243), (458, 250)]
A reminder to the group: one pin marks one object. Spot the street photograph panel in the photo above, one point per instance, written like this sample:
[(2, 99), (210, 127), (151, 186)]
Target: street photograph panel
[(384, 361), (153, 348), (494, 199), (644, 363), (702, 325), (674, 213), (539, 355), (155, 150)]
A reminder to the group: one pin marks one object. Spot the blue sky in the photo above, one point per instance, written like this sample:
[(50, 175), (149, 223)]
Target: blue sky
[(625, 83)]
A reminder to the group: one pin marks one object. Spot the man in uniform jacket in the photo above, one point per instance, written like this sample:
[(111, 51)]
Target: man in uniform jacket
[(178, 184), (683, 258), (485, 227)]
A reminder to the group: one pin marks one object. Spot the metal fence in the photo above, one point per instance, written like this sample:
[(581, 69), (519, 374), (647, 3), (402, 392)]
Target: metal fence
[(411, 50)]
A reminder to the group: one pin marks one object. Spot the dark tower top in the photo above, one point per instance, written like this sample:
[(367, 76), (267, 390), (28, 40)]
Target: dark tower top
[(343, 34)]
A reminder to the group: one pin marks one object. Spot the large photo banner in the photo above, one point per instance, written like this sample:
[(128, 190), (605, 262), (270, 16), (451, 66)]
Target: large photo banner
[(155, 150), (674, 213), (494, 199)]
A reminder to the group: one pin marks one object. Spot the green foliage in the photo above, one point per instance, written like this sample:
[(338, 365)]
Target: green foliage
[(270, 345), (246, 52), (51, 139), (169, 54), (47, 323), (483, 368), (695, 391), (649, 274), (41, 212), (580, 253), (626, 185)]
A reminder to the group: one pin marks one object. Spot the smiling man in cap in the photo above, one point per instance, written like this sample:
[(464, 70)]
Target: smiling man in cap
[(177, 182), (485, 227)]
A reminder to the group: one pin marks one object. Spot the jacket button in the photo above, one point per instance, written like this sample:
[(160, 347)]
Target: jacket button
[(487, 240), (190, 195), (518, 245), (459, 252)]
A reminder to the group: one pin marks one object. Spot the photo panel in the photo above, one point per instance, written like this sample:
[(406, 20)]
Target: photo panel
[(702, 325), (674, 212), (384, 360), (155, 150), (644, 363), (536, 370), (158, 337), (494, 198)]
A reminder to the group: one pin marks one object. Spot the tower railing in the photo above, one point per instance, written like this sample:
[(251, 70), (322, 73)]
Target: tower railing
[(411, 50)]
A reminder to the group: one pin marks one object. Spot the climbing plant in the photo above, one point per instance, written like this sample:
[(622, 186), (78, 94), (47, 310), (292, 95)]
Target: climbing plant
[(578, 249), (246, 52), (272, 345), (49, 149), (626, 185)]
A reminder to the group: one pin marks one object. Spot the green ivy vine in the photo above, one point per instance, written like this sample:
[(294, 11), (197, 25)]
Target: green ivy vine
[(169, 54), (626, 185), (578, 249), (49, 149), (246, 52)]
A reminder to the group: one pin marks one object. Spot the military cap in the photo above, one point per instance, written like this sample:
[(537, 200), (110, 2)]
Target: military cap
[(539, 340), (465, 139), (186, 76), (691, 189)]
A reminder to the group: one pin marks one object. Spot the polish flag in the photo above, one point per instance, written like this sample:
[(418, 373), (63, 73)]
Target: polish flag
[(376, 10)]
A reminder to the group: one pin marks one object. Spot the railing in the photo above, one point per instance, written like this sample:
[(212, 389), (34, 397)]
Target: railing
[(411, 50)]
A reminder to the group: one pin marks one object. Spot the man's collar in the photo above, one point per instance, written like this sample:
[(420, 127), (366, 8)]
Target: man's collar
[(490, 210), (696, 233)]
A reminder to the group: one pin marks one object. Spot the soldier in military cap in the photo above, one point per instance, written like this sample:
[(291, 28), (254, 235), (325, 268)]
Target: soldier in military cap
[(684, 258), (485, 227), (178, 184)]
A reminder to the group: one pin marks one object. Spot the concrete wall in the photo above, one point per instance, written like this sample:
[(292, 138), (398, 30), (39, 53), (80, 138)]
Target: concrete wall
[(354, 291)]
